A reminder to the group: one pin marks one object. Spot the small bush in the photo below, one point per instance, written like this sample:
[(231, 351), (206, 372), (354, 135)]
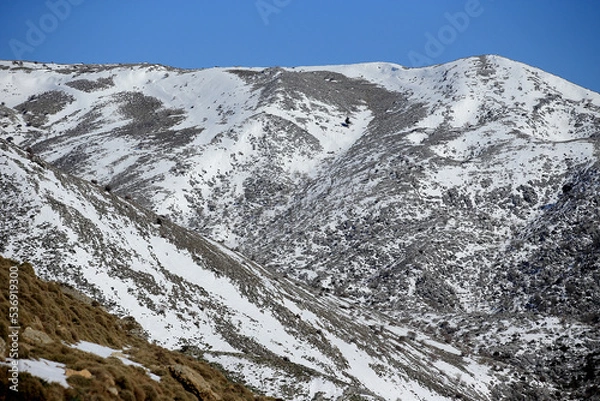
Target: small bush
[(123, 383)]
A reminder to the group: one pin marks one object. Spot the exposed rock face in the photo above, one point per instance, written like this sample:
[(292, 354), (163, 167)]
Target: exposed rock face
[(553, 265)]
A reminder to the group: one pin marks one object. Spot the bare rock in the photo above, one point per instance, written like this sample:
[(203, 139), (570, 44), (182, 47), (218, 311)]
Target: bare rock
[(84, 373), (193, 382), (36, 336), (131, 326)]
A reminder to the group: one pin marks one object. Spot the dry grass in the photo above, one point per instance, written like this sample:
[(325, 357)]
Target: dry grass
[(44, 306)]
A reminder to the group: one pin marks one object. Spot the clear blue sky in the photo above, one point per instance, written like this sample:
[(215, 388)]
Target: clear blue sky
[(559, 36)]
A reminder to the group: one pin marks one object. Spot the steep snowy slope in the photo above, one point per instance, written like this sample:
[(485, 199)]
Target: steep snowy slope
[(189, 292), (393, 186)]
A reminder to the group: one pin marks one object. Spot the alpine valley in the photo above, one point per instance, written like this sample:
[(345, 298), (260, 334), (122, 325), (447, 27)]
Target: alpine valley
[(358, 232)]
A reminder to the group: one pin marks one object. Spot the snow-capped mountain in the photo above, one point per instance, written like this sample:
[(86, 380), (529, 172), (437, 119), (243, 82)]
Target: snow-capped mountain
[(373, 181), (456, 197)]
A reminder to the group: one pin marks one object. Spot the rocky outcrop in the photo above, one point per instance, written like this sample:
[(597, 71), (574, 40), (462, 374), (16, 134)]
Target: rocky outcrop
[(193, 382), (36, 336)]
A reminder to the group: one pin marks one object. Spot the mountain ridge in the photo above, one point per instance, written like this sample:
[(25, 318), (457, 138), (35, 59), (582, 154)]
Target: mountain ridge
[(405, 191)]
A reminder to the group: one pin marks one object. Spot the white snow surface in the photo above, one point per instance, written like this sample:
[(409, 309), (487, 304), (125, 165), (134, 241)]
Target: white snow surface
[(106, 352), (48, 370)]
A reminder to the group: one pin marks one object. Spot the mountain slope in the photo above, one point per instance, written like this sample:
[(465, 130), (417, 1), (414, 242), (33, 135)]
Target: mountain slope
[(553, 265), (93, 360), (188, 292), (459, 198), (410, 201)]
